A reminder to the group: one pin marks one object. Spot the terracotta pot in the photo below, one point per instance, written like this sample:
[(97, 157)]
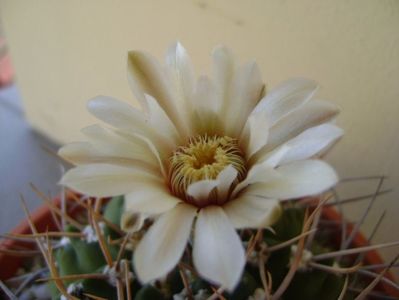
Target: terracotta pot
[(43, 220), (370, 258)]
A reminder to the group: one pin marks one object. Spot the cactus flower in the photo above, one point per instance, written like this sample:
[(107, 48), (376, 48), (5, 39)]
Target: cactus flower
[(213, 154)]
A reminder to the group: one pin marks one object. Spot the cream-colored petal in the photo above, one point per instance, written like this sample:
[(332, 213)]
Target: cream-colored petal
[(255, 133), (200, 189), (298, 179), (117, 113), (132, 222), (274, 157), (108, 140), (218, 253), (206, 104), (238, 89), (157, 149), (147, 77), (84, 153), (223, 72), (249, 211), (110, 143), (308, 115), (261, 172), (286, 97), (162, 160), (244, 93), (205, 96), (150, 199), (159, 120), (125, 117), (105, 180), (180, 70), (311, 114), (80, 153), (163, 244), (311, 142), (224, 180)]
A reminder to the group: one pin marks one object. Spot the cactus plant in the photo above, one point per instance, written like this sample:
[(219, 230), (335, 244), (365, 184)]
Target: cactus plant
[(80, 262), (211, 191)]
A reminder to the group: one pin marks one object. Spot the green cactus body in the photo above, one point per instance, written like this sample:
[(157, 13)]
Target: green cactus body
[(82, 256)]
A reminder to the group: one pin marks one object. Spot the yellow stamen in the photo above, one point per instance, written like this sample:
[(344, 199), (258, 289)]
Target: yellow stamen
[(204, 158)]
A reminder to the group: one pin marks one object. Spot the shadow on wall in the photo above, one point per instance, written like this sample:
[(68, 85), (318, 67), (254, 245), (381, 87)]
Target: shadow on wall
[(24, 160)]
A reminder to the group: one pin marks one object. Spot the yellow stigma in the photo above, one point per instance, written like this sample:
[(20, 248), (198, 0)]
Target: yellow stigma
[(204, 158)]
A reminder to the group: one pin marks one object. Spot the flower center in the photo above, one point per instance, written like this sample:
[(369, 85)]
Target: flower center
[(204, 158)]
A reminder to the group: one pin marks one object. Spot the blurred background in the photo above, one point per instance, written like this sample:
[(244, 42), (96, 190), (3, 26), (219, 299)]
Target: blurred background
[(65, 52)]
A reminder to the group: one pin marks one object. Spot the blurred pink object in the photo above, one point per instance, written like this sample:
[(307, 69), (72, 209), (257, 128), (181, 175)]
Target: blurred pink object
[(6, 71)]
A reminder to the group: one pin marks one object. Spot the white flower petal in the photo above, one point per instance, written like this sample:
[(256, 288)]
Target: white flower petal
[(245, 91), (163, 244), (117, 113), (162, 160), (298, 179), (310, 142), (223, 72), (157, 149), (85, 153), (152, 199), (218, 253), (224, 180), (180, 70), (308, 115), (286, 97), (111, 143), (249, 211), (123, 116), (147, 77), (206, 103), (158, 119), (255, 133), (261, 172), (132, 222), (81, 153), (200, 189), (205, 96), (274, 157), (105, 180)]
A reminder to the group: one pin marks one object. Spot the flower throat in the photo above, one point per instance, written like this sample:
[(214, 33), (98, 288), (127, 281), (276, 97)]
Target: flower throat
[(204, 157)]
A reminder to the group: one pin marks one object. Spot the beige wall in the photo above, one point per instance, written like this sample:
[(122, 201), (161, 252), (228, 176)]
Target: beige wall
[(65, 52)]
